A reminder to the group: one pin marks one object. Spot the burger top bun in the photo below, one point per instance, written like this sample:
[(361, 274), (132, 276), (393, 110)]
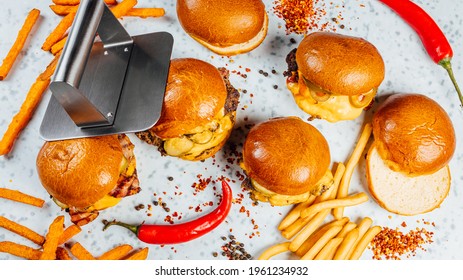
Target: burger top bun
[(413, 134), (340, 64), (223, 23), (286, 155), (80, 172), (195, 93)]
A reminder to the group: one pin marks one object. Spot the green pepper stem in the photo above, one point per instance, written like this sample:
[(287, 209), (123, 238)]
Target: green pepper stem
[(132, 228), (448, 66)]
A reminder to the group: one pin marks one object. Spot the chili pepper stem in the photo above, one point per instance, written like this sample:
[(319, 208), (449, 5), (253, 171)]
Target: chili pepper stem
[(448, 66), (132, 228)]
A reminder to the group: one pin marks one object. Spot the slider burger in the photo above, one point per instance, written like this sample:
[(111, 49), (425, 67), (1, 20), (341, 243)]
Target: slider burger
[(333, 76), (407, 164), (86, 175), (225, 27), (286, 160), (198, 111)]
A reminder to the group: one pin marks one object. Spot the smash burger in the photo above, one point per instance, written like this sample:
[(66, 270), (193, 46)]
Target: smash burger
[(333, 76), (87, 175)]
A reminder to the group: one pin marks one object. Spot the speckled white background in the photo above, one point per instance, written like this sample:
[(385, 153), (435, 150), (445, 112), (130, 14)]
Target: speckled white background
[(408, 69)]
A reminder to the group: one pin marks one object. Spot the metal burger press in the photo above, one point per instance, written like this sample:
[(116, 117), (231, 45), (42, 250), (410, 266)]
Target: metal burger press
[(106, 81)]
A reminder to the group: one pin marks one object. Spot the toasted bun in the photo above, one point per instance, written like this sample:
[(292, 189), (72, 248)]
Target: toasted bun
[(226, 27), (195, 93), (286, 155), (80, 172), (413, 134), (402, 194), (340, 64)]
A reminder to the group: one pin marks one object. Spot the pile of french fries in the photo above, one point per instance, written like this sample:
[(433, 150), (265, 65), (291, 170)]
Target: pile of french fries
[(339, 239), (54, 43), (57, 243)]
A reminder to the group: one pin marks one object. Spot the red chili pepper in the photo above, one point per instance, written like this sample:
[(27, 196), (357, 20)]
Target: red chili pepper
[(432, 37), (172, 234)]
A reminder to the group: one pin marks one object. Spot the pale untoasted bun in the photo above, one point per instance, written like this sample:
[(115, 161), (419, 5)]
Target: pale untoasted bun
[(226, 27), (195, 93), (286, 155), (413, 134), (82, 171), (340, 64), (402, 194)]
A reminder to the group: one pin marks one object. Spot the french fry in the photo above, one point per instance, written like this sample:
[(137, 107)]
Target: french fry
[(63, 10), (363, 226), (311, 227), (328, 251), (46, 75), (116, 253), (52, 238), (58, 46), (335, 203), (21, 230), (59, 31), (18, 45), (138, 255), (19, 250), (146, 12), (321, 242), (68, 233), (364, 241), (346, 229), (80, 252), (62, 254), (21, 119), (77, 2), (123, 8), (331, 192), (294, 214), (351, 164), (274, 250), (19, 196), (347, 243)]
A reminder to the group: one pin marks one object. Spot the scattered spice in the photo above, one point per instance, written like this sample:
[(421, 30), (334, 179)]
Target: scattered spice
[(139, 207), (234, 250)]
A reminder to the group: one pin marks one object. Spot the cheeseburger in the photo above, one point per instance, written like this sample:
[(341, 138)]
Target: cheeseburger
[(286, 160), (86, 175), (407, 164), (333, 76), (198, 111), (225, 27)]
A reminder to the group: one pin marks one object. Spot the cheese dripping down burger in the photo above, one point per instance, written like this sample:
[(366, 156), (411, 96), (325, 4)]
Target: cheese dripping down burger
[(333, 76), (407, 164), (286, 160), (87, 175), (226, 27), (198, 112)]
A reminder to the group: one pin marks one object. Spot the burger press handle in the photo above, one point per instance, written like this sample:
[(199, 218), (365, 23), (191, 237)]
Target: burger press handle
[(107, 84)]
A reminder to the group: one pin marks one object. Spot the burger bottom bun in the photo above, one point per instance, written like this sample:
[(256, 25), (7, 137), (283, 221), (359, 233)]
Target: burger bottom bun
[(237, 48), (402, 194)]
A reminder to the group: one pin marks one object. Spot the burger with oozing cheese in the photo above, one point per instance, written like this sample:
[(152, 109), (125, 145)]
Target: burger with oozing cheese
[(333, 76), (87, 175), (286, 160), (198, 112)]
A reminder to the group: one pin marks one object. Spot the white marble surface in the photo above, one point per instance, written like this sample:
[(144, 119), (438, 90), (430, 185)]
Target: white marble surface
[(408, 69)]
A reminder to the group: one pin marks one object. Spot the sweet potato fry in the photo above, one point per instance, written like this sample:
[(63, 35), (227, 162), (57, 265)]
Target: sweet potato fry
[(123, 8), (116, 253), (46, 75), (62, 254), (21, 119), (19, 196), (52, 238), (138, 255), (80, 252), (68, 233), (18, 45), (58, 46), (63, 10), (22, 230), (19, 250), (146, 12), (59, 32), (77, 2)]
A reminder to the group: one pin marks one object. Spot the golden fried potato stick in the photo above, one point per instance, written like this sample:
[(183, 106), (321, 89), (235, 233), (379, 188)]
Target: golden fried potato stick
[(59, 31), (19, 196), (138, 255), (19, 250), (335, 203), (80, 252), (294, 214), (69, 233), (364, 241), (77, 2), (351, 164), (328, 251), (123, 7), (116, 253), (346, 245), (333, 190), (62, 254), (363, 226), (274, 250), (22, 230), (18, 45), (55, 231), (146, 12), (321, 242), (311, 227)]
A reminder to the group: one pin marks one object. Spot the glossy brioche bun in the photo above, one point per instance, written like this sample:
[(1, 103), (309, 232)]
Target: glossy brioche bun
[(195, 93), (413, 134), (340, 64), (286, 155), (80, 172), (226, 27)]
